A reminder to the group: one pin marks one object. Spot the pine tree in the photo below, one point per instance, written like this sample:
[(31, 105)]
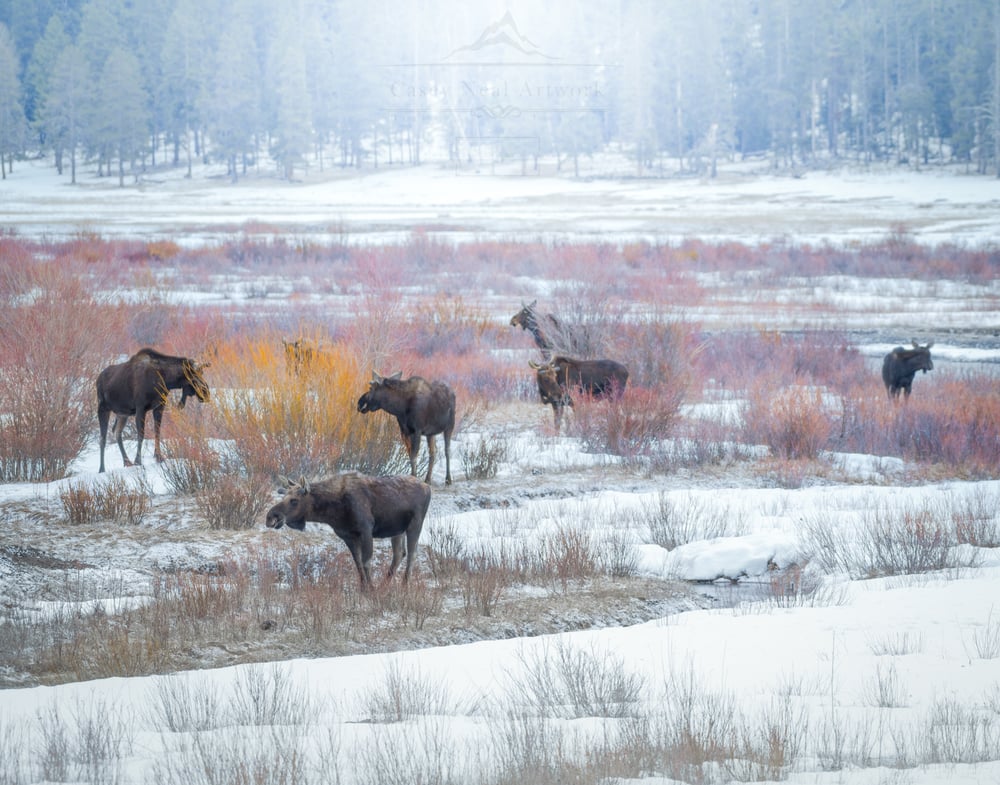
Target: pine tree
[(13, 123), (124, 125), (43, 57), (232, 105), (67, 94)]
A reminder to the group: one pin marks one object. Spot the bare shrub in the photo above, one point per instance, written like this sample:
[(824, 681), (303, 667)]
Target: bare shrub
[(529, 748), (976, 521), (444, 551), (89, 746), (694, 730), (632, 425), (482, 460), (419, 602), (884, 690), (561, 681), (617, 554), (192, 464), (178, 705), (485, 581), (768, 743), (206, 758), (792, 421), (268, 695), (118, 499), (956, 734), (897, 644), (568, 555), (674, 523), (404, 694), (14, 754), (986, 638), (234, 502), (887, 541)]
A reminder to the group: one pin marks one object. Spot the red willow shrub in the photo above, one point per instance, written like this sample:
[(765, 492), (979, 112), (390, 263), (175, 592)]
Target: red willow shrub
[(794, 422), (53, 344), (956, 422), (633, 425)]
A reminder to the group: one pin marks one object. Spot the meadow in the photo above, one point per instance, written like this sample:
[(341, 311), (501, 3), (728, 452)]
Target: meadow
[(740, 571)]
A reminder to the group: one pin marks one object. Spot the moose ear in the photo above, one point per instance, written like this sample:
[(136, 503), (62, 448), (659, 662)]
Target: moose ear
[(929, 344), (376, 378), (397, 376), (283, 480), (534, 365), (304, 483)]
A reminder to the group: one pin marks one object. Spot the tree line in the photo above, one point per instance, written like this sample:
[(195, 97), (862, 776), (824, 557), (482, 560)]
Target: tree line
[(676, 86)]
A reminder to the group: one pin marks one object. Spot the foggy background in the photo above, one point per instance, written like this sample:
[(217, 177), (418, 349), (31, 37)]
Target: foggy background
[(669, 87)]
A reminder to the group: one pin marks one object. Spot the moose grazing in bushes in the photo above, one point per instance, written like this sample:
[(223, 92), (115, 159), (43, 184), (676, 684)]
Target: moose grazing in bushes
[(598, 378), (300, 354), (901, 365), (359, 508), (421, 408), (142, 384)]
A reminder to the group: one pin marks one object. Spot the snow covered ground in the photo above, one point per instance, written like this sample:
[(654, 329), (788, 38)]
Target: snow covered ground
[(888, 680), (741, 204)]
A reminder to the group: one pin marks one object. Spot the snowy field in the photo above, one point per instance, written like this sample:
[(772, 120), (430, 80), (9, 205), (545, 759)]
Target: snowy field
[(857, 681), (744, 203)]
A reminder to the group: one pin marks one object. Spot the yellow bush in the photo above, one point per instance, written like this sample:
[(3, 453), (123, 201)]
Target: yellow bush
[(305, 423)]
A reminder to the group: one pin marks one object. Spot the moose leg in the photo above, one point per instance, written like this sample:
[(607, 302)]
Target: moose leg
[(103, 415), (431, 451), (361, 552), (157, 421), (117, 430), (447, 457), (412, 442), (397, 556), (412, 536), (140, 434)]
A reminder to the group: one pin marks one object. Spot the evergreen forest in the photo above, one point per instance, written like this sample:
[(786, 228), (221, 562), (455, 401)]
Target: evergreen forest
[(670, 86)]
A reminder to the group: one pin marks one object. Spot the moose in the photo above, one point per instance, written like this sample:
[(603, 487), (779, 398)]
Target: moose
[(300, 354), (359, 508), (598, 378), (528, 319), (421, 408), (142, 384), (901, 365)]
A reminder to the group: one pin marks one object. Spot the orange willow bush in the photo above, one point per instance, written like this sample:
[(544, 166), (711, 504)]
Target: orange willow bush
[(277, 421)]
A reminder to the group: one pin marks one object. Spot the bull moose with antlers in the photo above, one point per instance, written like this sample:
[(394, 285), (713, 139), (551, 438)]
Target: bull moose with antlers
[(598, 378)]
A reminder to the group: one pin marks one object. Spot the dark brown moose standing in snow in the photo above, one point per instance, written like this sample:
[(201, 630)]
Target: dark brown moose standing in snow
[(901, 365), (140, 385), (359, 508), (598, 378), (421, 408)]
